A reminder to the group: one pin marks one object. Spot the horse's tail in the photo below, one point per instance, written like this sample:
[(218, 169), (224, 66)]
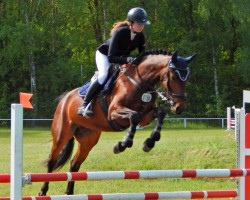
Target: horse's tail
[(65, 154), (59, 98)]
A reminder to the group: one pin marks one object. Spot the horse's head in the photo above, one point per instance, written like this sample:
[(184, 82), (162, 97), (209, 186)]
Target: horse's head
[(174, 81)]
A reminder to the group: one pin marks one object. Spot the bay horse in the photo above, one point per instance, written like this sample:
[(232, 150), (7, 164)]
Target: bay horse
[(132, 102)]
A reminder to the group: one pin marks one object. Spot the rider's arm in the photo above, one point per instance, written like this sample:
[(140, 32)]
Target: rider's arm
[(119, 46)]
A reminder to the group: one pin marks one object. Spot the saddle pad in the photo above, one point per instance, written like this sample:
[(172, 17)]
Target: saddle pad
[(113, 73), (83, 89)]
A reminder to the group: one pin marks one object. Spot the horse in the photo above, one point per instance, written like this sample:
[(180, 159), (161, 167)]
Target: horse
[(130, 102)]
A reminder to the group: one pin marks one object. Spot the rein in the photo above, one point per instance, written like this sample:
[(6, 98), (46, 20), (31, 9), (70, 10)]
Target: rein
[(141, 86), (152, 89)]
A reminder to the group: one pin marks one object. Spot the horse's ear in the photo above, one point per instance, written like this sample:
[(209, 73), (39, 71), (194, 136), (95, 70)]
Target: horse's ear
[(174, 57), (190, 58)]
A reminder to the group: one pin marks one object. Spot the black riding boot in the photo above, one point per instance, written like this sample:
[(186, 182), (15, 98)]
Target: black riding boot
[(83, 109)]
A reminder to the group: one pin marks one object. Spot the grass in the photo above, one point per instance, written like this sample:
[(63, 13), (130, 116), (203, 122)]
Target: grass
[(200, 148)]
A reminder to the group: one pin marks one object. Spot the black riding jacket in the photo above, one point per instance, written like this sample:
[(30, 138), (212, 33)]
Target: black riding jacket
[(120, 45)]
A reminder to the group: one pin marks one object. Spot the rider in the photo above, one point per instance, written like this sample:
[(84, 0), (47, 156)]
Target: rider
[(125, 37)]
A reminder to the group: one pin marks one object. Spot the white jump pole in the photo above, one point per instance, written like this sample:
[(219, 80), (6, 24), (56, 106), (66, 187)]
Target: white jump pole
[(228, 118), (16, 168), (237, 122)]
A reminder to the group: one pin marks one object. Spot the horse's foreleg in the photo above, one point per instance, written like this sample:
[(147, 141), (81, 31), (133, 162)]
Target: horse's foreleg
[(128, 139), (149, 143), (134, 119), (87, 139)]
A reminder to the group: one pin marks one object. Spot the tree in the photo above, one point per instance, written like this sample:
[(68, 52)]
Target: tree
[(241, 9), (48, 47)]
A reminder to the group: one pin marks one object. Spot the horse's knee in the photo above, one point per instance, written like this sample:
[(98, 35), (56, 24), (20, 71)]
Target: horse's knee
[(161, 112)]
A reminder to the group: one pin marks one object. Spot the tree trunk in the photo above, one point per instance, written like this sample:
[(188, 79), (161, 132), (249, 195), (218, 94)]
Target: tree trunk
[(105, 34), (3, 13), (94, 9), (31, 59), (216, 87)]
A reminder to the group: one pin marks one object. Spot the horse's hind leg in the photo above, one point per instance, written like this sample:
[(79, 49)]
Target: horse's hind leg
[(149, 143), (63, 141), (87, 139)]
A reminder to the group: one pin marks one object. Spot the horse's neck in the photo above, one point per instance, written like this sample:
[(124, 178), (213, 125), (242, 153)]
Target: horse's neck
[(150, 71)]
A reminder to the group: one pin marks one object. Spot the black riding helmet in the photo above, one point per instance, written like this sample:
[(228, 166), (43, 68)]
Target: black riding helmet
[(138, 15)]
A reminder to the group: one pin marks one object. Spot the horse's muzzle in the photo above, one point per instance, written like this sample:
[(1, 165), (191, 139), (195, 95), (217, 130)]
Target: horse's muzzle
[(178, 107)]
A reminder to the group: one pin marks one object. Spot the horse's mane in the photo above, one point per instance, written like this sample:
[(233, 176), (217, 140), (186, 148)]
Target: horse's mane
[(143, 54)]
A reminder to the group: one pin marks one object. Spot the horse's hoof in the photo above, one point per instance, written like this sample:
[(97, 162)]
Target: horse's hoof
[(156, 136), (148, 145), (127, 143), (41, 194), (118, 148), (68, 193)]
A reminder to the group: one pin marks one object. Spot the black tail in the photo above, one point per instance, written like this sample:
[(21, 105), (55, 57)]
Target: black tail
[(65, 154)]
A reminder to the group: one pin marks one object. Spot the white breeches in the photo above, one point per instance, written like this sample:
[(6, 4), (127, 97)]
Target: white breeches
[(102, 64)]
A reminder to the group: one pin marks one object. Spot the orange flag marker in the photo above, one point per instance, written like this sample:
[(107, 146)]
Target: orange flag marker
[(25, 99)]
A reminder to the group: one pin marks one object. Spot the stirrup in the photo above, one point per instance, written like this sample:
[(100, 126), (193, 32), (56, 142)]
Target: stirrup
[(85, 111)]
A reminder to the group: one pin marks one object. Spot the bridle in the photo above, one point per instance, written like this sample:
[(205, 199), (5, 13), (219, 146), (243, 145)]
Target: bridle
[(168, 95)]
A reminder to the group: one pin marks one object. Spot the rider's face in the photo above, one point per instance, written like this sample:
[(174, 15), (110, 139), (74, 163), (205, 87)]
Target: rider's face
[(136, 27)]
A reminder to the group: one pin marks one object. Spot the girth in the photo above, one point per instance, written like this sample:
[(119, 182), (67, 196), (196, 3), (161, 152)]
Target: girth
[(113, 124)]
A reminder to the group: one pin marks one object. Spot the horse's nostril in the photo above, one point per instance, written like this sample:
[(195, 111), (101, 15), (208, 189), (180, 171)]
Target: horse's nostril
[(178, 110)]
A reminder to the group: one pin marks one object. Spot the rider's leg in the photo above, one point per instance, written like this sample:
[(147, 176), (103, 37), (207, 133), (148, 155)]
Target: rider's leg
[(94, 86), (103, 66)]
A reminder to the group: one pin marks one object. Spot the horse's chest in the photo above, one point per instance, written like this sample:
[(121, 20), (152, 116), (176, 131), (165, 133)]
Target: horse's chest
[(142, 103)]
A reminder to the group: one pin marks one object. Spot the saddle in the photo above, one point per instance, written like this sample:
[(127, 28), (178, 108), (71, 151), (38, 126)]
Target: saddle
[(114, 70), (107, 86)]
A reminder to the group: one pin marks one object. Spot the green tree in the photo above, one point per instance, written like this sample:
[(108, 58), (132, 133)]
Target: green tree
[(48, 47)]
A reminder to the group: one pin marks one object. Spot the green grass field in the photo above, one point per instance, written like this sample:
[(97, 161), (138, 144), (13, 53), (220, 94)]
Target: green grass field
[(193, 148)]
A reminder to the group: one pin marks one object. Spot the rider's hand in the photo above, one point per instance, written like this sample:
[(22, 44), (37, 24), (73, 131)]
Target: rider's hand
[(130, 59)]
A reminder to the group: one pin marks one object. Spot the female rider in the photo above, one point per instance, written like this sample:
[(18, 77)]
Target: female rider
[(126, 36)]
